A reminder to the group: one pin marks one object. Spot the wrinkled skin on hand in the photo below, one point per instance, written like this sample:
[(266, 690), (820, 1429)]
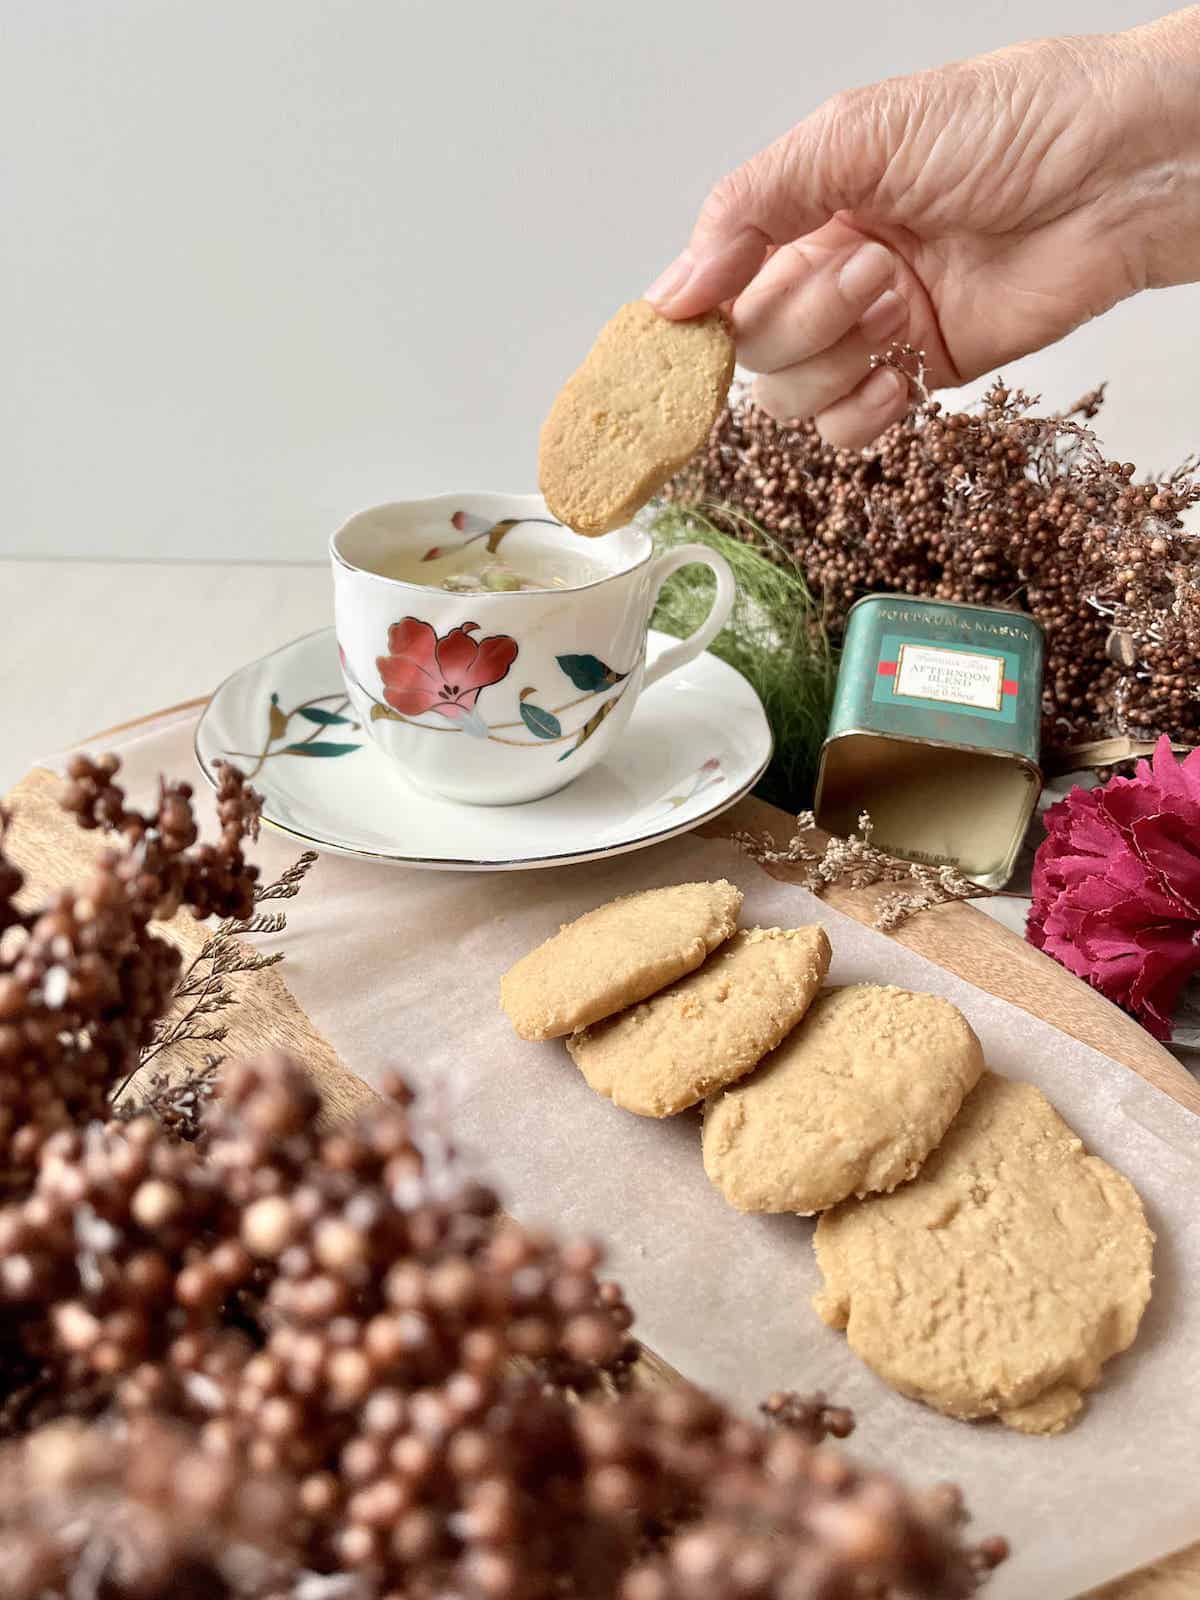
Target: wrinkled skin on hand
[(978, 211)]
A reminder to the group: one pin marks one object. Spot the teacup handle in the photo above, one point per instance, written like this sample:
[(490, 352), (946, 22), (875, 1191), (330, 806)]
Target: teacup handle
[(678, 655)]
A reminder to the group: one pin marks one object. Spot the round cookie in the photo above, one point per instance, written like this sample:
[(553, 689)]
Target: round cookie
[(851, 1103), (616, 955), (642, 404), (709, 1028), (1001, 1279)]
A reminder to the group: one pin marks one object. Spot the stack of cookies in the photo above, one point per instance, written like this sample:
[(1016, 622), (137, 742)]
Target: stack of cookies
[(977, 1257)]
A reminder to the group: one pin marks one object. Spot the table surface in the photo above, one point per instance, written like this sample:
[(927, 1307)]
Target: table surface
[(53, 852), (75, 656)]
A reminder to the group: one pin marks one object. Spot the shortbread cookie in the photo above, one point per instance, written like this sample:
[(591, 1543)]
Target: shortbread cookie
[(618, 954), (1000, 1279), (709, 1028), (851, 1103), (641, 405)]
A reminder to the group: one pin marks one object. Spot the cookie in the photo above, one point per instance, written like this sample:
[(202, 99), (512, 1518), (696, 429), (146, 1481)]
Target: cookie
[(709, 1028), (616, 955), (851, 1103), (641, 405), (1000, 1280)]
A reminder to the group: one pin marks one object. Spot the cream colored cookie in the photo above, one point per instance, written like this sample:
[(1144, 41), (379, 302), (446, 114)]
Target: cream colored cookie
[(1000, 1280), (851, 1103), (641, 405), (709, 1028), (616, 955)]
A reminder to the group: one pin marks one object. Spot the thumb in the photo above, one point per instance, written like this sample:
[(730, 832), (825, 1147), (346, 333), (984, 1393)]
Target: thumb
[(828, 163)]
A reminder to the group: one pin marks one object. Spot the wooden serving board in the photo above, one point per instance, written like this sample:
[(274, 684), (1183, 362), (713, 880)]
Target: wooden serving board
[(52, 851)]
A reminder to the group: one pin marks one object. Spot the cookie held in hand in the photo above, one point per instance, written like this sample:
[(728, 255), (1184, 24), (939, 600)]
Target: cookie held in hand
[(851, 1103), (640, 406), (1000, 1280), (709, 1028), (616, 955)]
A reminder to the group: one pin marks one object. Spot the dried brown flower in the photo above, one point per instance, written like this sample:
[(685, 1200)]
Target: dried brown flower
[(340, 1311), (811, 1415), (997, 506), (856, 861), (179, 1103), (324, 1364), (204, 988), (84, 980), (136, 1508)]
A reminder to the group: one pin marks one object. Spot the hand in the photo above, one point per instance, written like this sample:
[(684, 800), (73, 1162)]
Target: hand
[(978, 212)]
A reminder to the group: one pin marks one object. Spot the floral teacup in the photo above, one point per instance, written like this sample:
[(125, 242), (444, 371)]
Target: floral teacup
[(498, 697)]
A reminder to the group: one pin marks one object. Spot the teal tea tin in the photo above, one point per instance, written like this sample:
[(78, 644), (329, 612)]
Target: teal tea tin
[(934, 732)]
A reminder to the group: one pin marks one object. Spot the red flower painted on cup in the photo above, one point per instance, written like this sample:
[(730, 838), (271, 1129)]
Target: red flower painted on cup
[(422, 672)]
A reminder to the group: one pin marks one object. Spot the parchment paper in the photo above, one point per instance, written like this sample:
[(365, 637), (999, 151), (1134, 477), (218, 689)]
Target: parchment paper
[(400, 968)]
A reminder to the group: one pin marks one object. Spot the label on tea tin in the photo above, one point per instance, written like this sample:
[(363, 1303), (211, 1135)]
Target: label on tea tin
[(963, 679), (977, 682)]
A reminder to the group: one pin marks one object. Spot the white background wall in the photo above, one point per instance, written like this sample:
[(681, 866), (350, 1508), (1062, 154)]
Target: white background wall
[(265, 261)]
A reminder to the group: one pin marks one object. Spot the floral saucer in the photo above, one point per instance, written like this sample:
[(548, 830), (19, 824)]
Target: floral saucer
[(696, 743)]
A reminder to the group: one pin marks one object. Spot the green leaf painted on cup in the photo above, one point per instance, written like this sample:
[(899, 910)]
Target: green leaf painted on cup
[(326, 719), (319, 747), (589, 672), (543, 724)]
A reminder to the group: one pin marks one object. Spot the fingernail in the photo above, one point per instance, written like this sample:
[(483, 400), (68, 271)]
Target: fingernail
[(668, 284), (884, 316), (881, 389), (866, 272)]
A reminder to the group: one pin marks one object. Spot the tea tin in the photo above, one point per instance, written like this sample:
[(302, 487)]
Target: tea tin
[(934, 732)]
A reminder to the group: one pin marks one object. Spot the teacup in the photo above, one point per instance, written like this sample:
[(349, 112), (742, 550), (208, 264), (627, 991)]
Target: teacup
[(498, 697)]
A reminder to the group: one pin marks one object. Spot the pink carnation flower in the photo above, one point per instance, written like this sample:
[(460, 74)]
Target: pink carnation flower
[(1116, 886)]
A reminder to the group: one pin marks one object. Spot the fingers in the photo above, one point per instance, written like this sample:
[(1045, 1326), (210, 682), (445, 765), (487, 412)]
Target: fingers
[(809, 295), (816, 314), (850, 403), (689, 286), (862, 416), (832, 159), (812, 386)]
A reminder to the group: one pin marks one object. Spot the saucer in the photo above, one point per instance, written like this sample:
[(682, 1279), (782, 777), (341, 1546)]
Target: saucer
[(696, 743)]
